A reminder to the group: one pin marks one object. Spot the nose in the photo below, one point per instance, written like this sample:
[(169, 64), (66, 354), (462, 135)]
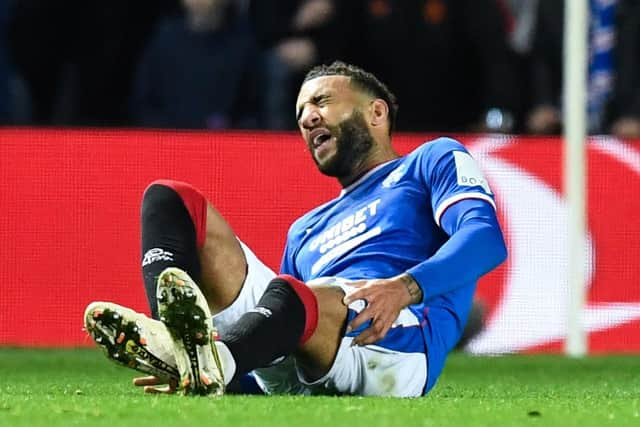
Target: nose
[(310, 117)]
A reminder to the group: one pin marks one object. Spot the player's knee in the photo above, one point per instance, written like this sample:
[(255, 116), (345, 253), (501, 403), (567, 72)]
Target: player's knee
[(167, 186), (329, 300), (175, 202), (164, 193), (158, 196)]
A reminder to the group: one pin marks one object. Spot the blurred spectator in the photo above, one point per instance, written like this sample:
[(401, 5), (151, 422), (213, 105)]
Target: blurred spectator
[(76, 57), (448, 61), (523, 13), (294, 35), (615, 63), (521, 30), (198, 72), (5, 101)]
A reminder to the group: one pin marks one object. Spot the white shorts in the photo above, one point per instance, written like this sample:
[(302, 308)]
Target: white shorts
[(394, 366)]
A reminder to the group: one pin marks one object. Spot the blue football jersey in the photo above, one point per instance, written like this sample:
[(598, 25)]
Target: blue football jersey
[(388, 223)]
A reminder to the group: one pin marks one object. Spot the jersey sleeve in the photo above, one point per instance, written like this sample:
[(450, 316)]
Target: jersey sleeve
[(463, 206), (287, 264), (476, 246), (452, 175)]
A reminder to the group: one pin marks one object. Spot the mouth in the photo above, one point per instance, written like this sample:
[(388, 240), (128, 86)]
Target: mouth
[(318, 137)]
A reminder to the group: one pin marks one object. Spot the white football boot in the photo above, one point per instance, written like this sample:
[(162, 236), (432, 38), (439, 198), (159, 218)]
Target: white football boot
[(132, 339), (184, 310)]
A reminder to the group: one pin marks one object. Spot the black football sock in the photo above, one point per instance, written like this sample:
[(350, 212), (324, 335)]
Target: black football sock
[(168, 238), (285, 317)]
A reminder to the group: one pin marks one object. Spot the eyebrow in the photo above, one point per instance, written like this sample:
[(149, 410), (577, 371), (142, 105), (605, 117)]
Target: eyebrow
[(314, 100)]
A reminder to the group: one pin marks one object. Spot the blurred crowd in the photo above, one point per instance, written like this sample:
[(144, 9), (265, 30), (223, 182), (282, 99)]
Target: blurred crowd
[(455, 65)]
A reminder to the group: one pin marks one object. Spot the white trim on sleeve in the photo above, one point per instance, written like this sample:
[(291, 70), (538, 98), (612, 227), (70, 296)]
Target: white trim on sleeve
[(456, 198)]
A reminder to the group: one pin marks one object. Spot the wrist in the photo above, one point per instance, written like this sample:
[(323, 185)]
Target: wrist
[(413, 289)]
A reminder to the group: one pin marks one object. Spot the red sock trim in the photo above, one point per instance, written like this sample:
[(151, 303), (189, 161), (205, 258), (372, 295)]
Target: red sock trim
[(194, 201), (310, 303)]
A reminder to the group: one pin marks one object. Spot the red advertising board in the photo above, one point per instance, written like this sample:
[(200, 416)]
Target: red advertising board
[(69, 227)]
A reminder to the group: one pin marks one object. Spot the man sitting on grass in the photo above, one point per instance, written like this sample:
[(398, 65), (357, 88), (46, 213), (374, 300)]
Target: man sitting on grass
[(375, 285)]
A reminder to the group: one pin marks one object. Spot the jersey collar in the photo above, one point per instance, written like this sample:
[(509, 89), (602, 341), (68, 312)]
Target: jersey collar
[(364, 177)]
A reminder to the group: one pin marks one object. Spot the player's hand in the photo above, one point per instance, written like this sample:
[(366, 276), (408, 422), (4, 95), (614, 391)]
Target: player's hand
[(385, 298), (156, 385)]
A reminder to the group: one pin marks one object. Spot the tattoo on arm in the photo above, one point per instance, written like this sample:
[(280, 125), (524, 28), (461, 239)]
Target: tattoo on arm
[(412, 287)]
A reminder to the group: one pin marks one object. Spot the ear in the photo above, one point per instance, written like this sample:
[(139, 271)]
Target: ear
[(379, 112)]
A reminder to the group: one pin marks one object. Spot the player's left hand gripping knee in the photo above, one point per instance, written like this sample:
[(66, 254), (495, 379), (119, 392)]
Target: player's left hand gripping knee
[(384, 299)]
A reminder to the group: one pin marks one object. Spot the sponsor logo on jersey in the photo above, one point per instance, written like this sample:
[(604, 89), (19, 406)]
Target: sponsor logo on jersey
[(345, 235), (349, 227)]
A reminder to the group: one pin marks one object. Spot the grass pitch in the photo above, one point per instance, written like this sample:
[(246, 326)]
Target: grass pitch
[(81, 388)]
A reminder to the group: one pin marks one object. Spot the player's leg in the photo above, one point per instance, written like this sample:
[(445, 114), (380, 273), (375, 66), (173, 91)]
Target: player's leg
[(393, 366), (309, 322), (180, 228), (256, 332), (290, 319), (317, 355)]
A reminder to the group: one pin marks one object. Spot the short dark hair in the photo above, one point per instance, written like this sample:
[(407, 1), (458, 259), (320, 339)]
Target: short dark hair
[(363, 80)]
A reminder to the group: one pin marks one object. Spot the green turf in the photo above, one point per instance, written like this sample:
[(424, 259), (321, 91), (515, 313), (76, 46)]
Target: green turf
[(80, 387)]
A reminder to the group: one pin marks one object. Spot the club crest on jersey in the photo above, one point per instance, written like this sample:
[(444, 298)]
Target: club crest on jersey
[(468, 172), (394, 176)]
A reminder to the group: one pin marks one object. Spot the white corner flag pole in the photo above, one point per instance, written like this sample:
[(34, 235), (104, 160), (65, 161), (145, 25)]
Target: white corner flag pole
[(575, 96)]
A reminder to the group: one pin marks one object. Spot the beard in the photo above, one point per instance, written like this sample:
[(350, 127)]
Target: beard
[(353, 144)]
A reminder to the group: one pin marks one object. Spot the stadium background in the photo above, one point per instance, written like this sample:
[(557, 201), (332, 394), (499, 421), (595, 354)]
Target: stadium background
[(70, 225)]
